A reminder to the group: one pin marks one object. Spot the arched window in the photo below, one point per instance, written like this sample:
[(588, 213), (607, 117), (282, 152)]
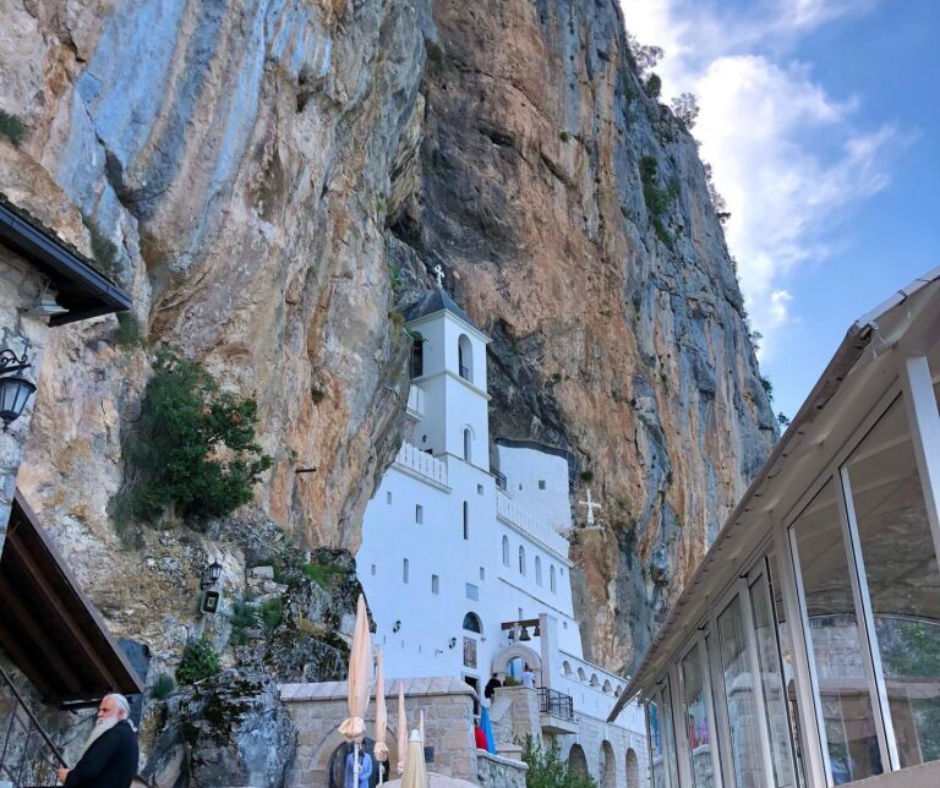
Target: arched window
[(465, 357), (566, 667), (505, 551), (521, 560), (538, 570), (551, 578), (466, 520), (633, 769), (595, 682), (471, 623), (467, 444), (577, 762), (608, 688), (582, 676), (417, 356)]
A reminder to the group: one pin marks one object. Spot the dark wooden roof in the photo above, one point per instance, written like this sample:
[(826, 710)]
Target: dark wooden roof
[(48, 626), (79, 288)]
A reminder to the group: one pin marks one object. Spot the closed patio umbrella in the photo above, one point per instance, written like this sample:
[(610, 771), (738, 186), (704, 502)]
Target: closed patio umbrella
[(416, 774), (421, 725), (402, 731), (360, 678), (381, 715)]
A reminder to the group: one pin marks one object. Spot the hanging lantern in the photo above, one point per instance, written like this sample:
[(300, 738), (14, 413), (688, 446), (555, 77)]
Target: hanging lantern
[(14, 390)]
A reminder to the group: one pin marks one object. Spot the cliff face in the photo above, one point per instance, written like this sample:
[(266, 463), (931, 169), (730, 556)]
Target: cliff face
[(279, 174)]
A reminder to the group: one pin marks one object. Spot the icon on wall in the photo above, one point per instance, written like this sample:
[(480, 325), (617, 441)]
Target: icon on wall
[(469, 653)]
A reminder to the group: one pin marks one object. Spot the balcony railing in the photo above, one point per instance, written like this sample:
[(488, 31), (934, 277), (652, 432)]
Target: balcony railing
[(27, 755), (556, 704), (422, 463)]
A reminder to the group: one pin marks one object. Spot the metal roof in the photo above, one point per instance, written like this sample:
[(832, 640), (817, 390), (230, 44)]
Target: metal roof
[(79, 287), (438, 301)]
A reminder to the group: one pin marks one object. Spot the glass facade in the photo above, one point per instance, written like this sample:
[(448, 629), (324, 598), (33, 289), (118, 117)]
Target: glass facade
[(903, 581), (818, 663), (775, 709), (739, 685), (697, 718), (835, 643)]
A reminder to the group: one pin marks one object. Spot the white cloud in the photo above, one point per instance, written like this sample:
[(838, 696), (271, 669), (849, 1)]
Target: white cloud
[(786, 155)]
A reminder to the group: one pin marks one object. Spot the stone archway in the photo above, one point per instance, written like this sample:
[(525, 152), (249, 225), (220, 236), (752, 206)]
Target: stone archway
[(577, 761), (321, 770), (607, 771), (503, 658), (633, 769)]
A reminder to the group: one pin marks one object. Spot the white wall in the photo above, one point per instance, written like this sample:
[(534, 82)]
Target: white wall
[(524, 470)]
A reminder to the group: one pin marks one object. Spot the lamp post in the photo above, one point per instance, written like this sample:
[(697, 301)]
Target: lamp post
[(15, 391)]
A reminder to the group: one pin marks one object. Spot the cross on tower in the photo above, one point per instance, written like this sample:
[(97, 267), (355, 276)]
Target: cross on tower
[(591, 506), (439, 276)]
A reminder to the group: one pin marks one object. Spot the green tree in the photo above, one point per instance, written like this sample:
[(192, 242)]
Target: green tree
[(194, 448), (548, 770)]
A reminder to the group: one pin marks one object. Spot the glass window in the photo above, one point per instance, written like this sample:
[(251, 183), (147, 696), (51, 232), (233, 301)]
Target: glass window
[(746, 753), (656, 745), (505, 551), (903, 581), (775, 710), (538, 570), (834, 641), (672, 765), (697, 720)]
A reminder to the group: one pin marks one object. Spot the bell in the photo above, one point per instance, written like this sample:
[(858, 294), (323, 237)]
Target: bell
[(525, 635), (537, 632), (512, 635)]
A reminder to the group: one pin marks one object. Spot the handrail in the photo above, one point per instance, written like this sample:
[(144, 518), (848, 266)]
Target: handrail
[(556, 703), (23, 772)]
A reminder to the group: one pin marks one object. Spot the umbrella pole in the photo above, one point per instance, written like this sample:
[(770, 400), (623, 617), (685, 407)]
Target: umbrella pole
[(357, 767)]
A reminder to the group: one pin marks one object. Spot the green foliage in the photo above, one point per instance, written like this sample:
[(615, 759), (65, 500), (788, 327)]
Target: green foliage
[(317, 394), (653, 86), (511, 682), (783, 420), (547, 769), (163, 686), (129, 333), (12, 128), (103, 250), (194, 447), (767, 386), (271, 614), (244, 617), (394, 277), (587, 476), (626, 85), (200, 661), (323, 574), (564, 136), (657, 198)]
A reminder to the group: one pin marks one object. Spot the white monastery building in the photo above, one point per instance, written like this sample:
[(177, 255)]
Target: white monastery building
[(466, 568)]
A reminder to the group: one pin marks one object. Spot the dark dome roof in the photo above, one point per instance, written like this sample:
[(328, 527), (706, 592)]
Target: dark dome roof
[(437, 301)]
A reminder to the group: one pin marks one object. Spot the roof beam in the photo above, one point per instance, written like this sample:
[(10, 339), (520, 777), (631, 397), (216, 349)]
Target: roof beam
[(55, 603)]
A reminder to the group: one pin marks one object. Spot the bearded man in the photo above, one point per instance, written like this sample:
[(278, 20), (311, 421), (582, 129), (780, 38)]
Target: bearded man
[(109, 757)]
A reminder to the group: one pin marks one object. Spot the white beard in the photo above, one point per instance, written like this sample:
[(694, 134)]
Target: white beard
[(101, 727)]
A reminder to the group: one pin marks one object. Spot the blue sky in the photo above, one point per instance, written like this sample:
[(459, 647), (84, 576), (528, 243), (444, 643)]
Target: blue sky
[(819, 118)]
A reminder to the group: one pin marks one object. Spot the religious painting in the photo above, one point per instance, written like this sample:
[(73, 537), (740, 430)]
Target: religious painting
[(469, 653)]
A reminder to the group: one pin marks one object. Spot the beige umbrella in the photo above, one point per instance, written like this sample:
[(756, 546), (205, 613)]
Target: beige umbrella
[(402, 731), (360, 677), (416, 775), (381, 715)]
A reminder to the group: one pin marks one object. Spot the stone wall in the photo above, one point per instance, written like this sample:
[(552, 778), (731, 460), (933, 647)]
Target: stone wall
[(593, 734), (494, 771), (20, 285), (318, 709)]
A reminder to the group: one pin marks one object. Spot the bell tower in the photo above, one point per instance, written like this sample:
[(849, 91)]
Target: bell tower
[(449, 367)]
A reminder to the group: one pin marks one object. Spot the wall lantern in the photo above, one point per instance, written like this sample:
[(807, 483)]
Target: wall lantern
[(14, 390), (212, 574), (396, 626), (452, 643)]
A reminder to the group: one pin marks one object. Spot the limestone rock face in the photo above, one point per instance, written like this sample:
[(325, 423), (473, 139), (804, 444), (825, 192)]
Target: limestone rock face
[(619, 328), (278, 176)]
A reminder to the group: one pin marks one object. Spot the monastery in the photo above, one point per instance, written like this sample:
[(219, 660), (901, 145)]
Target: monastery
[(465, 568)]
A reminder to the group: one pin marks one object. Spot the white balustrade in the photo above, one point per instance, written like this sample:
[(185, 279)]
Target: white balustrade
[(422, 463), (536, 528)]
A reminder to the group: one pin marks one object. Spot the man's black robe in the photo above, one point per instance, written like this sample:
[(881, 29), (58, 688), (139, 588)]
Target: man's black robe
[(111, 762)]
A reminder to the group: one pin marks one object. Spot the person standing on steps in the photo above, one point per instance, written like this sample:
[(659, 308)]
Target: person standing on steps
[(110, 755), (528, 677)]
